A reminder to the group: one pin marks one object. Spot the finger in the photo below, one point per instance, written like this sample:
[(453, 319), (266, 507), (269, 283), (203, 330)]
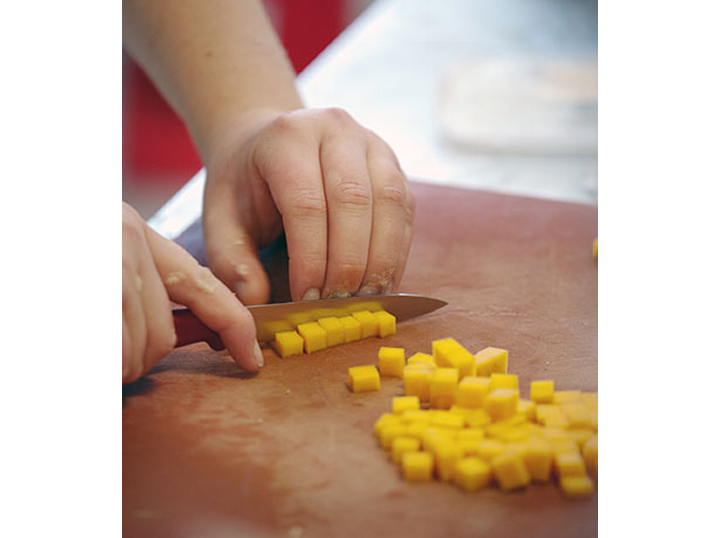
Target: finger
[(231, 251), (406, 243), (208, 298), (148, 331), (349, 196), (288, 162), (390, 200)]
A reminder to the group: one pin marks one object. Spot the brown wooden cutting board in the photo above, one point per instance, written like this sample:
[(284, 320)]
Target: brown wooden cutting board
[(209, 450)]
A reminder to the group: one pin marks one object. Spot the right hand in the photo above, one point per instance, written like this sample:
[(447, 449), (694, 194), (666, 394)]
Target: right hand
[(157, 271)]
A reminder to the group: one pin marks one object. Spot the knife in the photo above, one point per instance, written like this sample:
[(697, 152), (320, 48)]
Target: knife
[(273, 318)]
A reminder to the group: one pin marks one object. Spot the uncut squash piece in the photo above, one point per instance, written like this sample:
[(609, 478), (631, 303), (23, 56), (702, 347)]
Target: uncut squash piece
[(385, 323), (576, 486), (335, 331), (417, 382), (314, 335), (368, 323), (471, 391), (363, 378), (288, 343), (391, 361), (491, 360)]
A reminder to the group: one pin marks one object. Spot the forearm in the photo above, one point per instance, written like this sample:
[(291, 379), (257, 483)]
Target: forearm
[(212, 59)]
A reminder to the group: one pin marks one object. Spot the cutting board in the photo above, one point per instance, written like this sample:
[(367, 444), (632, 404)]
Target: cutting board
[(210, 450)]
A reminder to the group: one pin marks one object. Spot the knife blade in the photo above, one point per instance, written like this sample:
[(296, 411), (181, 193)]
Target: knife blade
[(272, 318)]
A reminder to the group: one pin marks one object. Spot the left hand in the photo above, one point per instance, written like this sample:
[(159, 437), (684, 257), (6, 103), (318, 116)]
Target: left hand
[(333, 186)]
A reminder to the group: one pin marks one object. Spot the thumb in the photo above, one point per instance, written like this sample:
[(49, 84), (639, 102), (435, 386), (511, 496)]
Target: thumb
[(232, 252)]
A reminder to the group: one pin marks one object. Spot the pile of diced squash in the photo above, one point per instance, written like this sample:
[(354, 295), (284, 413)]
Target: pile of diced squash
[(332, 331), (462, 419)]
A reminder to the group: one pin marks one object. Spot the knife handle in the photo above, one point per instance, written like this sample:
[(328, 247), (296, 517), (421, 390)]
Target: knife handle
[(189, 330)]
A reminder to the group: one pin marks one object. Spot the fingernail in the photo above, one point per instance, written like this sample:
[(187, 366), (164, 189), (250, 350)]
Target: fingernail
[(259, 360), (388, 289), (368, 289), (312, 294), (336, 295)]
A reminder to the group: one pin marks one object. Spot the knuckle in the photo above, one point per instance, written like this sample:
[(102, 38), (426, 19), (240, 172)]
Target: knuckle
[(286, 125), (307, 203), (392, 194), (353, 194), (338, 115)]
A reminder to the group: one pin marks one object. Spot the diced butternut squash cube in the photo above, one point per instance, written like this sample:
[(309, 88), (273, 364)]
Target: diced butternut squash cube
[(472, 473), (569, 464), (417, 466), (477, 418), (401, 445), (443, 386), (416, 415), (590, 453), (566, 396), (501, 403), (590, 399), (351, 327), (391, 361), (581, 436), (504, 381), (538, 459), (447, 419), (489, 448), (545, 414), (368, 323), (542, 391), (288, 343), (578, 416), (449, 353), (314, 335), (335, 331), (527, 408), (417, 382), (389, 432), (509, 470), (491, 360), (385, 323), (576, 486), (471, 391), (401, 404), (363, 378), (595, 248), (421, 358), (384, 420), (475, 434), (416, 430), (433, 437), (446, 454)]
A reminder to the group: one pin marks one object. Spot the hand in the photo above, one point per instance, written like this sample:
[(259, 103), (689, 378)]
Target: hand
[(334, 187), (156, 271)]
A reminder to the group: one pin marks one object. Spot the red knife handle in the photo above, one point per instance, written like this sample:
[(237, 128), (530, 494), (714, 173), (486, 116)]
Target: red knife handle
[(189, 330)]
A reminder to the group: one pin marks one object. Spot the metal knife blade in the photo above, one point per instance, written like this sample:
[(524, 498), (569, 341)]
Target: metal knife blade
[(272, 318)]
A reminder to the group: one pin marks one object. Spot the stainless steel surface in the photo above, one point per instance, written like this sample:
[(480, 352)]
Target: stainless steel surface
[(272, 318)]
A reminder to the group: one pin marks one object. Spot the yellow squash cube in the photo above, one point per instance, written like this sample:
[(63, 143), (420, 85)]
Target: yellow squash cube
[(401, 445), (471, 391), (391, 361), (590, 453), (449, 353), (417, 466), (335, 330), (477, 418), (538, 459), (527, 408), (417, 382), (314, 335), (384, 420), (368, 323), (401, 404), (504, 381), (581, 436), (421, 358), (385, 323), (489, 448), (509, 470), (472, 473), (502, 403), (390, 431), (576, 486), (595, 248), (416, 416), (446, 454), (447, 419), (550, 415), (569, 464), (432, 437), (288, 343), (491, 360), (566, 396), (542, 391), (363, 378), (351, 327), (444, 384)]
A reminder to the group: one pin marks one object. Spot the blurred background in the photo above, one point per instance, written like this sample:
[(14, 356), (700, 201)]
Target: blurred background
[(500, 95), (158, 155)]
